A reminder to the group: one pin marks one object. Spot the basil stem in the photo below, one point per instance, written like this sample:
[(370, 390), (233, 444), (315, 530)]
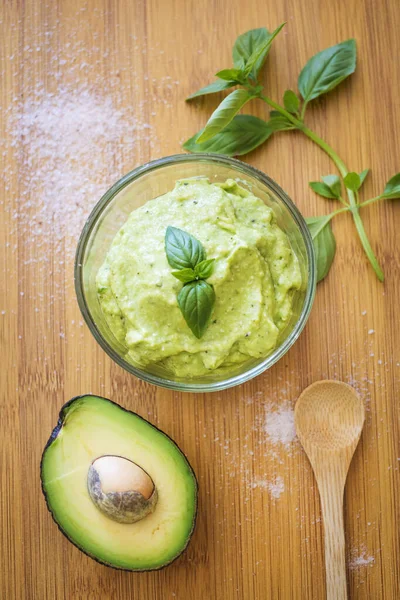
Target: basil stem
[(343, 170), (371, 201)]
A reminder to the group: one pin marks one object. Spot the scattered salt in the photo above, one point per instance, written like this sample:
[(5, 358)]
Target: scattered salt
[(361, 561), (72, 136), (279, 424), (371, 331), (65, 143), (275, 487)]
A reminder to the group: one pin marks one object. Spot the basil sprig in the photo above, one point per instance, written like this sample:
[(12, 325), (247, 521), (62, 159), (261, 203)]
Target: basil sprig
[(196, 298), (231, 133)]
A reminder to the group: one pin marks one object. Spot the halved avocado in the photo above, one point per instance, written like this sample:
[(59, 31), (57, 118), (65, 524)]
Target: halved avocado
[(119, 488)]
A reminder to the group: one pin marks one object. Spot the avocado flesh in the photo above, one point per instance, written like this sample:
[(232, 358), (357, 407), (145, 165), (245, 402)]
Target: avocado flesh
[(90, 427)]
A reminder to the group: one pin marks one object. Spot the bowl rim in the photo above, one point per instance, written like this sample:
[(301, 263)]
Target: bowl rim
[(191, 386)]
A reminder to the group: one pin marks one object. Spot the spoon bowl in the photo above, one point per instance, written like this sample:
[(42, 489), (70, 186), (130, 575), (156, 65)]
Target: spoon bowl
[(329, 416)]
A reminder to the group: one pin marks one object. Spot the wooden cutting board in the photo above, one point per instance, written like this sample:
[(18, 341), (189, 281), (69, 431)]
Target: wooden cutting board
[(89, 90)]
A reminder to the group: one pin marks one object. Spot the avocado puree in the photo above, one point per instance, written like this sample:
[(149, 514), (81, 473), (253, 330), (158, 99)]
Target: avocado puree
[(256, 273)]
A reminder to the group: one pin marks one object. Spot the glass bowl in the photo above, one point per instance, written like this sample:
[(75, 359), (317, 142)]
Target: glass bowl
[(154, 179)]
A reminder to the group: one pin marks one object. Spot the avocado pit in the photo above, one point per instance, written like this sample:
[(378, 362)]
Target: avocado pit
[(121, 489)]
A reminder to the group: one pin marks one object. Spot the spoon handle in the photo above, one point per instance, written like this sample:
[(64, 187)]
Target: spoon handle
[(331, 493)]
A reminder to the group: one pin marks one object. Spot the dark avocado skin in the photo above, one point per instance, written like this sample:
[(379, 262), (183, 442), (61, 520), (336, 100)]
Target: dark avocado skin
[(51, 439)]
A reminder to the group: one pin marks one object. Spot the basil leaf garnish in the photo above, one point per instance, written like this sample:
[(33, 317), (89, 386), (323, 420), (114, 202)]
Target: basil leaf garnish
[(196, 301), (204, 269), (196, 298), (182, 249), (185, 275)]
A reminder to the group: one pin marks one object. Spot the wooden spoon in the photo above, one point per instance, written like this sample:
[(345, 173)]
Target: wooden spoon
[(329, 417)]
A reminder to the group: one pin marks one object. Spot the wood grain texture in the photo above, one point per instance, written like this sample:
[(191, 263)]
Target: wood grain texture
[(247, 544)]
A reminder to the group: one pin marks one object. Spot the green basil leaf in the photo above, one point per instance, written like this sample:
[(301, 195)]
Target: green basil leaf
[(260, 52), (324, 243), (245, 46), (327, 69), (231, 75), (322, 189), (280, 123), (243, 134), (363, 175), (204, 269), (333, 183), (196, 301), (392, 188), (352, 181), (291, 102), (182, 249), (185, 275), (224, 114), (213, 88)]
